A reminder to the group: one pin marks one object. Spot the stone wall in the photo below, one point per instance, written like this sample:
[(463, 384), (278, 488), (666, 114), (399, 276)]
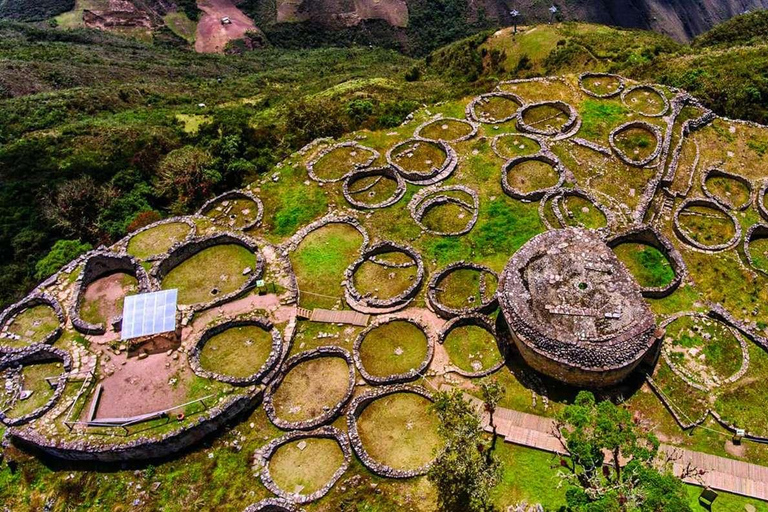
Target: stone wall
[(648, 88), (469, 110), (38, 298), (388, 172), (483, 323), (723, 201), (349, 144), (473, 127), (558, 194), (272, 505), (570, 124), (234, 195), (487, 305), (652, 129), (610, 94), (437, 173), (708, 203), (122, 245), (433, 196), (544, 156)]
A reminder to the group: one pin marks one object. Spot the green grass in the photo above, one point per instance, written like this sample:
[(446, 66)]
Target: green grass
[(472, 348), (532, 175), (645, 101), (157, 240), (340, 161), (34, 380), (310, 386), (400, 430), (636, 143), (238, 351), (496, 108), (456, 288), (383, 282), (181, 25), (306, 470), (446, 129), (220, 267), (447, 218), (578, 211), (320, 260), (33, 325), (758, 249), (545, 117), (601, 85), (237, 214), (732, 191), (647, 264), (599, 117), (424, 157), (373, 190), (511, 145), (706, 225), (393, 348)]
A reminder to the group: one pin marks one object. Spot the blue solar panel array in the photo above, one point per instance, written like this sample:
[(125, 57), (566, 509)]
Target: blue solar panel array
[(149, 313)]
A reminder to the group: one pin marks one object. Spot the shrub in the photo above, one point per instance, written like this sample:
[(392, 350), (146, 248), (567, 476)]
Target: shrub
[(63, 252)]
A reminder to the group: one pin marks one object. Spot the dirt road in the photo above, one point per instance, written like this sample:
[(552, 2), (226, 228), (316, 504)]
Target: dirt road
[(212, 35)]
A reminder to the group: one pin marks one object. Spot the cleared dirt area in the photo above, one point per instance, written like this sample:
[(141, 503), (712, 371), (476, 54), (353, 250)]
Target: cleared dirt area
[(212, 36)]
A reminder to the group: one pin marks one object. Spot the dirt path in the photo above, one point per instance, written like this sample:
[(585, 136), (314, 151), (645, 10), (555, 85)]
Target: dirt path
[(212, 36)]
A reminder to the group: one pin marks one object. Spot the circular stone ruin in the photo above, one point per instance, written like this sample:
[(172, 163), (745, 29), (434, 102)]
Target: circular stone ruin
[(385, 278), (574, 311), (240, 352), (760, 200), (646, 100), (731, 191), (211, 270), (311, 388), (393, 431), (706, 225), (472, 346), (393, 351), (513, 145), (37, 318), (574, 207), (463, 288), (548, 118), (423, 161), (374, 187), (311, 461), (601, 85), (755, 247), (445, 211), (695, 349), (154, 240), (530, 178), (336, 162), (236, 209), (494, 107), (448, 129), (272, 505), (642, 246), (633, 145), (33, 379)]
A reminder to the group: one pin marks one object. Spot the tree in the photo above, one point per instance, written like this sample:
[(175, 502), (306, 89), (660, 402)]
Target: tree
[(614, 463), (492, 392), (63, 252), (77, 204), (466, 470), (184, 176)]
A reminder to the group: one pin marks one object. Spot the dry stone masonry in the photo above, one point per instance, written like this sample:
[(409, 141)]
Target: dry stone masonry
[(488, 302)]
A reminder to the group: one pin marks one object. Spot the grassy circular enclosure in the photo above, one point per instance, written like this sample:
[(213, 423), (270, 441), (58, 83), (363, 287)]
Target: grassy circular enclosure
[(157, 240), (512, 145), (647, 264), (305, 466), (462, 288), (528, 176), (319, 262), (400, 431), (545, 117), (448, 216), (569, 208), (472, 349), (212, 272), (385, 276), (337, 163), (756, 247), (420, 157), (707, 226), (705, 351), (646, 100), (449, 130), (310, 388), (393, 348), (730, 190), (103, 298), (31, 325), (636, 142), (377, 187), (32, 378), (601, 85), (237, 352), (495, 107), (236, 213)]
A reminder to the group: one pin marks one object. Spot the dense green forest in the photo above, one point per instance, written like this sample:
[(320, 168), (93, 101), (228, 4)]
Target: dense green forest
[(101, 134)]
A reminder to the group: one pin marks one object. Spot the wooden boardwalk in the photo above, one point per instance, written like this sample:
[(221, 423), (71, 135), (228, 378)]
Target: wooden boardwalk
[(721, 473), (329, 316)]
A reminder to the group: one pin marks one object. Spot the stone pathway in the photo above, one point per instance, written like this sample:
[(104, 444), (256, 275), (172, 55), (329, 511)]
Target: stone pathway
[(722, 473)]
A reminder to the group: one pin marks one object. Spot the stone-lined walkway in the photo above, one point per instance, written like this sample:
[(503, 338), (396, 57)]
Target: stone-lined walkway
[(330, 316), (722, 473)]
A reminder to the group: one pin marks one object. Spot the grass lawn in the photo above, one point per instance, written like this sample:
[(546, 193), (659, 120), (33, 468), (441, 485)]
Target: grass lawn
[(381, 281), (419, 156), (181, 25), (310, 386), (220, 267), (601, 85), (545, 117), (373, 190), (511, 145), (306, 470), (732, 191), (707, 225), (192, 122), (636, 143), (456, 288), (446, 129), (400, 430), (496, 108), (647, 264), (339, 162), (393, 348), (532, 175), (320, 261), (34, 380), (33, 325), (472, 348), (578, 211), (447, 218), (758, 249), (238, 351), (236, 214), (645, 101), (157, 240)]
